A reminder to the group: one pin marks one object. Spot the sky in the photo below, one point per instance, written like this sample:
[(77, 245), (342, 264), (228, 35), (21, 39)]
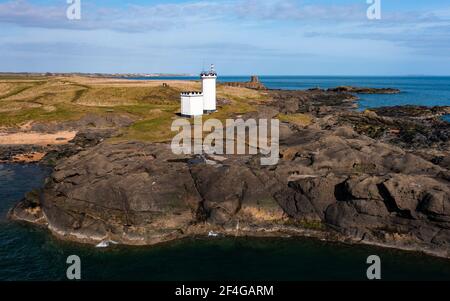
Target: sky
[(241, 37)]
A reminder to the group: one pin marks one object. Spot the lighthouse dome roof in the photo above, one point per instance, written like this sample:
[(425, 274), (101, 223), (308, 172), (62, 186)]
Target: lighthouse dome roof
[(211, 72), (208, 73)]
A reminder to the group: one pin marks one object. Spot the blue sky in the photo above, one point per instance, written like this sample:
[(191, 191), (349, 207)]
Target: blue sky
[(270, 37)]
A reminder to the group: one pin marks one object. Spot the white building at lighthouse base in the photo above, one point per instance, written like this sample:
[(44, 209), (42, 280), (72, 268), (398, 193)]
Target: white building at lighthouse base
[(191, 104)]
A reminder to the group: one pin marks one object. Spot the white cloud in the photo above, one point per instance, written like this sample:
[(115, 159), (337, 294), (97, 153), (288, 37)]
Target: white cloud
[(138, 18), (259, 32)]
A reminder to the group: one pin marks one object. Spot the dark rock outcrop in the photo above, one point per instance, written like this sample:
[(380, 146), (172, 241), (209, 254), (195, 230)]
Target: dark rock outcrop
[(364, 90), (336, 184), (402, 127), (415, 112), (137, 193), (316, 102)]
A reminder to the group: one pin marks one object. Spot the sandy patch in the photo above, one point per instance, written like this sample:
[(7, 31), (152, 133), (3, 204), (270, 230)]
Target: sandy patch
[(28, 157), (34, 138), (18, 106), (186, 85)]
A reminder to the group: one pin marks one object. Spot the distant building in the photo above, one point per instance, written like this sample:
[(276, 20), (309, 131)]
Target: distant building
[(199, 103), (254, 83)]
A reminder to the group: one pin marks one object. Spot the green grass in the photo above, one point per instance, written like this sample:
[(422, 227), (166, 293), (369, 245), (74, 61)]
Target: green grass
[(154, 124), (153, 107), (98, 96), (21, 87), (155, 130), (79, 94), (62, 112), (301, 120), (18, 77)]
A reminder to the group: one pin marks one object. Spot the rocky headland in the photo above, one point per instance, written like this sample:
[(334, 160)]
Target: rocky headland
[(379, 177), (364, 90)]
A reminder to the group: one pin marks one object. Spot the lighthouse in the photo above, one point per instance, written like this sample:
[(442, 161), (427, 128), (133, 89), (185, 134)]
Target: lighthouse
[(195, 103), (209, 79)]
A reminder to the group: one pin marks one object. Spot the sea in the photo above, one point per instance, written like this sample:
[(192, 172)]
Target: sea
[(31, 253)]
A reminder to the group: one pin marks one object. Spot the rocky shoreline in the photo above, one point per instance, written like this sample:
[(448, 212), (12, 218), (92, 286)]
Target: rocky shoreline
[(364, 90), (379, 177)]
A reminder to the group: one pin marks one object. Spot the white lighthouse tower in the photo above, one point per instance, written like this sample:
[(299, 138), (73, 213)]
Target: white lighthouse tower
[(194, 103), (209, 90)]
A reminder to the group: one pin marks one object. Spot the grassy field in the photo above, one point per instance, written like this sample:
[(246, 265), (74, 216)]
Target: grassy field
[(25, 99), (298, 119)]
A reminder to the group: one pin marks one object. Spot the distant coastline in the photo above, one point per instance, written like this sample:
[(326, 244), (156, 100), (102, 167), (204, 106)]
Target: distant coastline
[(100, 75), (167, 74)]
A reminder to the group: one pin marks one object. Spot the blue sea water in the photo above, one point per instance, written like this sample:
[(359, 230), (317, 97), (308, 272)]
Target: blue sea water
[(426, 91), (30, 253)]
